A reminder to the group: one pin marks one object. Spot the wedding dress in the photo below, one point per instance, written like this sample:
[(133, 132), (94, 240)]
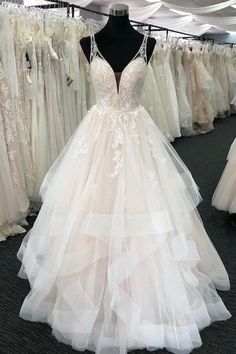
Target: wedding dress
[(9, 137), (118, 257), (231, 73), (208, 60), (164, 79), (224, 197), (16, 69), (152, 101), (201, 85), (185, 111), (11, 209)]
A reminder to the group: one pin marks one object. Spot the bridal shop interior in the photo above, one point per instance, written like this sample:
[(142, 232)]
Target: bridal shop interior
[(118, 176)]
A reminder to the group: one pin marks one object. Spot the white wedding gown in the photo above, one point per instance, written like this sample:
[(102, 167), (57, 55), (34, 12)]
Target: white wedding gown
[(224, 197), (118, 257)]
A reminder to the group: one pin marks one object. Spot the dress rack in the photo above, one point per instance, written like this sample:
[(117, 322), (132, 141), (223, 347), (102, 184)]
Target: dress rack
[(150, 27)]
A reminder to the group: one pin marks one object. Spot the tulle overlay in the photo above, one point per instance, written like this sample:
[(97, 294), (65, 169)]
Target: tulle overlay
[(118, 257), (224, 197)]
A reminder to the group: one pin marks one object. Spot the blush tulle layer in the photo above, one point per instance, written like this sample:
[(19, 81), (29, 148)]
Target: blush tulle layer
[(118, 257)]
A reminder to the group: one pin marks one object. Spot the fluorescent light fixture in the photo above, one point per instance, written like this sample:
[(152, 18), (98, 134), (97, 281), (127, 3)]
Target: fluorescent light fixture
[(231, 32), (180, 12)]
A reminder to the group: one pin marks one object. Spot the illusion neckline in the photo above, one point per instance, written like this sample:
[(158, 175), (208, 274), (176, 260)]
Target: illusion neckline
[(126, 66)]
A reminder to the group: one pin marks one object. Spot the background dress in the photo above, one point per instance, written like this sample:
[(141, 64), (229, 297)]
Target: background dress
[(224, 197)]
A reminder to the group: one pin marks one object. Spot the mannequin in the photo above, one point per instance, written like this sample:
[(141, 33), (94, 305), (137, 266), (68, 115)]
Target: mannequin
[(232, 219), (118, 41)]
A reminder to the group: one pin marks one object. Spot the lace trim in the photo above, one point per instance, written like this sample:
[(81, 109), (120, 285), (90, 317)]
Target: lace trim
[(93, 48), (142, 52)]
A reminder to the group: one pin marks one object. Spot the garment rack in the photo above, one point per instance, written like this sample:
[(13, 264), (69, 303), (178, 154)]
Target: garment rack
[(56, 5), (151, 27)]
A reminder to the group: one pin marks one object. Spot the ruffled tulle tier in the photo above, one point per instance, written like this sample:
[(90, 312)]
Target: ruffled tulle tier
[(224, 197), (118, 257)]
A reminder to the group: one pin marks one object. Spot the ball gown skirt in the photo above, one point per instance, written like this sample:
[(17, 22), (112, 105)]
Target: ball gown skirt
[(118, 257), (224, 197)]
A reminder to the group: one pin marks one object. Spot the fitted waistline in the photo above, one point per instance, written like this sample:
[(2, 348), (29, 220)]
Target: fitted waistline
[(103, 109)]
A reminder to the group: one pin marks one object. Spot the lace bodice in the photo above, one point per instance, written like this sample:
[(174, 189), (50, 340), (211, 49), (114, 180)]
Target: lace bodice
[(118, 91)]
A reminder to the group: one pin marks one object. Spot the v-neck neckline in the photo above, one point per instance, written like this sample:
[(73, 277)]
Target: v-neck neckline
[(126, 66)]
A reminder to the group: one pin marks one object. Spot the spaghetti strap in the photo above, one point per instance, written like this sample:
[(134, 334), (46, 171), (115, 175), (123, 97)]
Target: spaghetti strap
[(93, 49), (143, 48)]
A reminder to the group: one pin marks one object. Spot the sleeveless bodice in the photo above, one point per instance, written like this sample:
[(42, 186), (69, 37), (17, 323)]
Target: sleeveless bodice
[(118, 91)]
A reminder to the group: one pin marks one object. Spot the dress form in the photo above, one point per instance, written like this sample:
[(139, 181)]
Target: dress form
[(232, 218), (116, 37)]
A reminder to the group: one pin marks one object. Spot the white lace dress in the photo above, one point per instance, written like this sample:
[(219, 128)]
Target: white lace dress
[(185, 111), (208, 61), (11, 135), (118, 257), (21, 101), (199, 87), (164, 80), (231, 73), (152, 101), (221, 104), (10, 206), (223, 79)]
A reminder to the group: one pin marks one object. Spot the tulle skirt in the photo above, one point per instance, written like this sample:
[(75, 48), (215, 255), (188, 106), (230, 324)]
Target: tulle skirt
[(118, 257), (224, 197)]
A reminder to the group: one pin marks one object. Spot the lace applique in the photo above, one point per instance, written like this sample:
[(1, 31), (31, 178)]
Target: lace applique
[(118, 159), (15, 179), (124, 123), (133, 131), (82, 148), (120, 105), (150, 141), (12, 155), (10, 133), (118, 137)]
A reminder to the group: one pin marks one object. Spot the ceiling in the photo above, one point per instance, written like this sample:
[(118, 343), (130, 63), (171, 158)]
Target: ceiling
[(165, 13), (169, 18), (229, 11)]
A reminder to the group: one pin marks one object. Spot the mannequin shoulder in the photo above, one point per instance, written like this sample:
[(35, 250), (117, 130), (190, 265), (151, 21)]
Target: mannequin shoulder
[(85, 44), (151, 43)]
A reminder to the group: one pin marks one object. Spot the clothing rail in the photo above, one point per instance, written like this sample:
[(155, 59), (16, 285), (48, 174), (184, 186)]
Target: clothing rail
[(56, 5), (151, 27)]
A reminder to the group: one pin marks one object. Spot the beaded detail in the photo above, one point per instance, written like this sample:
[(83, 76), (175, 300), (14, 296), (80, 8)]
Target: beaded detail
[(117, 105)]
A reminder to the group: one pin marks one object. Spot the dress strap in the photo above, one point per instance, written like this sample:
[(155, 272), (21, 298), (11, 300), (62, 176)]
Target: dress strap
[(143, 48), (93, 49)]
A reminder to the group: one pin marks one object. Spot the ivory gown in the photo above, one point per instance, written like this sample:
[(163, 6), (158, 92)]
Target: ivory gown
[(224, 197), (118, 257)]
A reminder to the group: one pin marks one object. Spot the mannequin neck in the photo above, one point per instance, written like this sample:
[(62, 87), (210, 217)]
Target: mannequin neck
[(118, 25)]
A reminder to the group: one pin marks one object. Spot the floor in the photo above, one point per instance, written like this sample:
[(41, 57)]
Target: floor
[(205, 157)]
